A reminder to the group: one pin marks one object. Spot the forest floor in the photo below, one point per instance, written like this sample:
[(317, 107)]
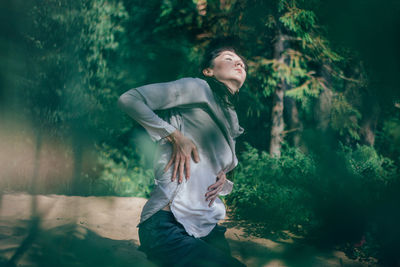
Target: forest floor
[(101, 231)]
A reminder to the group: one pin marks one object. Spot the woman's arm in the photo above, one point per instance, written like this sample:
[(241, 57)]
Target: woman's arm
[(133, 103), (139, 104)]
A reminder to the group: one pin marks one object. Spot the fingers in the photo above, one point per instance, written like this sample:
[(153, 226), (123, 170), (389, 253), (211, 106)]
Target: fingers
[(221, 178), (215, 185), (173, 156), (181, 166), (214, 196), (215, 188), (187, 167), (169, 164), (176, 164), (196, 158), (195, 155), (212, 193), (182, 150)]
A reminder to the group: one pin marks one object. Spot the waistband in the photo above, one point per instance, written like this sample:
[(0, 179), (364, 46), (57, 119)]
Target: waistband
[(160, 215)]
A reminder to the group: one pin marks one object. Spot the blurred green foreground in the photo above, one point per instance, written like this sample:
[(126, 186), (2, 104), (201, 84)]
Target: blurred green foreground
[(320, 157)]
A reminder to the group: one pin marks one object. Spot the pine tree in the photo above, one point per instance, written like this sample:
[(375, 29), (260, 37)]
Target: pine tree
[(292, 64)]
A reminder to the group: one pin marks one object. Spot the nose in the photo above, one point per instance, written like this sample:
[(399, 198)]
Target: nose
[(239, 63)]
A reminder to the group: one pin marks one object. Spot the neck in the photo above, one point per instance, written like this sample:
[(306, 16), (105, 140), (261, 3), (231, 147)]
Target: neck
[(221, 90), (231, 87), (220, 86)]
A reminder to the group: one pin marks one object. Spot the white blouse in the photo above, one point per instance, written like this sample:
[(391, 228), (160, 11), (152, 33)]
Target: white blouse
[(191, 108)]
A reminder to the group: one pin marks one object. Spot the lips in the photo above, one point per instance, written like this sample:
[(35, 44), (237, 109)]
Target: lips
[(239, 70)]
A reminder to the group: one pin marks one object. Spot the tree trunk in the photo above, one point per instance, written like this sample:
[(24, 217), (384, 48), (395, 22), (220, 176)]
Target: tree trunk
[(322, 109), (293, 122), (277, 105)]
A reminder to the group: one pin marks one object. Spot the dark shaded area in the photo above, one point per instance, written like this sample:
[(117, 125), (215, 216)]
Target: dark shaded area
[(67, 245), (333, 197), (372, 29), (295, 254)]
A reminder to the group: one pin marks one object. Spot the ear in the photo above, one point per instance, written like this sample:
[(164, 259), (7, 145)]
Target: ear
[(208, 72)]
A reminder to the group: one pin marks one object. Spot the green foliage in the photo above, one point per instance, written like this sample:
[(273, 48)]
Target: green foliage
[(306, 51), (333, 199), (392, 129), (344, 117), (123, 173), (299, 21), (71, 78), (377, 180), (388, 138), (269, 192), (176, 14), (365, 163)]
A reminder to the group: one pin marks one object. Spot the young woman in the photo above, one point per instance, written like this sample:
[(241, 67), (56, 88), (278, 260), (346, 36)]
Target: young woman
[(196, 149)]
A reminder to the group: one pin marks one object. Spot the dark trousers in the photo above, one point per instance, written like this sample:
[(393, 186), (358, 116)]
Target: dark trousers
[(166, 243)]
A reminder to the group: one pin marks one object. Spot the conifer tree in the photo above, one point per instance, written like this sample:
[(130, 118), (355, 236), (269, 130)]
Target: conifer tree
[(294, 64)]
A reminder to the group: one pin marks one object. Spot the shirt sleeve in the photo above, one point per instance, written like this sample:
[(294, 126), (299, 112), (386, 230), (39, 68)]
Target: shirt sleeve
[(140, 103)]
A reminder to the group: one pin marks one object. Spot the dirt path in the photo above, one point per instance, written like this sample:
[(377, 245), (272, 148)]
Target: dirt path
[(101, 231)]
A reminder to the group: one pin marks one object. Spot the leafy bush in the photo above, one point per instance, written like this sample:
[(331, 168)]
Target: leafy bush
[(123, 173), (270, 192), (373, 171), (339, 198), (365, 162)]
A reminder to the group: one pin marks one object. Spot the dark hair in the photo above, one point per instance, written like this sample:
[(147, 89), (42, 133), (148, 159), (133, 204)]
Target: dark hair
[(214, 49)]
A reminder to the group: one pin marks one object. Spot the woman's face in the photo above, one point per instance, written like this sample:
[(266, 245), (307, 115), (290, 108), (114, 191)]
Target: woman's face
[(229, 69)]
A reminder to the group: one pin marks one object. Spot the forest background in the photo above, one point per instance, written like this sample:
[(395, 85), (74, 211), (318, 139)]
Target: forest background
[(320, 156)]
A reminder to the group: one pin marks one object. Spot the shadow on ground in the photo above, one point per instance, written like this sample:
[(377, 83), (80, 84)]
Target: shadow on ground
[(293, 255), (283, 249), (66, 245), (101, 231)]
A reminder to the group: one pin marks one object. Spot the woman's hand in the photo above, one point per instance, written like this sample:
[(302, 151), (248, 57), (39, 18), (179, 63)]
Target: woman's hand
[(182, 150), (214, 189)]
